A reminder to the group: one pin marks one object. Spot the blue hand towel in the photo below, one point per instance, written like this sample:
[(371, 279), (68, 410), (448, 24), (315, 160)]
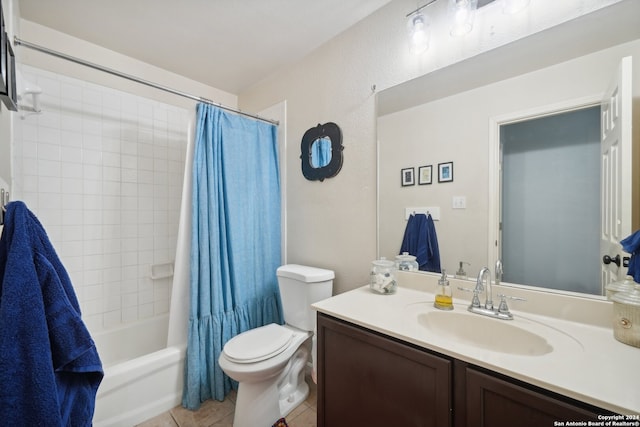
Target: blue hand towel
[(631, 245), (433, 262), (421, 241), (49, 366)]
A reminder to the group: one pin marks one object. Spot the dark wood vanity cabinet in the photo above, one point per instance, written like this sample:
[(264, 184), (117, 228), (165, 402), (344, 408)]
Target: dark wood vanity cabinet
[(491, 401), (369, 379)]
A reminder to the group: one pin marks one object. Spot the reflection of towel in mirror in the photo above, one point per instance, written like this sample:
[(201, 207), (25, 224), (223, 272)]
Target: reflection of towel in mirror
[(632, 245), (421, 241), (49, 366)]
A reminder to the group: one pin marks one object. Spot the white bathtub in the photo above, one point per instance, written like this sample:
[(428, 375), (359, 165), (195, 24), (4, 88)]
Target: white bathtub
[(142, 377)]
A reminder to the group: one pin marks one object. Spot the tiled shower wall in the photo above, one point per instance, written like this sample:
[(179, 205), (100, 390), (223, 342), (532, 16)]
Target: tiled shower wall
[(103, 170)]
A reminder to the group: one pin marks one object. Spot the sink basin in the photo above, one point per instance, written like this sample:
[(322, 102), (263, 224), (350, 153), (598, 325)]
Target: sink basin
[(518, 337), (484, 332)]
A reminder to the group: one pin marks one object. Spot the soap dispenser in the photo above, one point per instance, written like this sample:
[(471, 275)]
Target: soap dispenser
[(461, 274), (443, 301)]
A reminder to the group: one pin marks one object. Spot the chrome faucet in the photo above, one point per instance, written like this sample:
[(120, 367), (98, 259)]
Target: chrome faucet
[(502, 312), (488, 302)]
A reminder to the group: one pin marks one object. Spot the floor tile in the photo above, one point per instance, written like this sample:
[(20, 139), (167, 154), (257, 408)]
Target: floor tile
[(210, 412), (213, 413), (308, 418), (162, 420)]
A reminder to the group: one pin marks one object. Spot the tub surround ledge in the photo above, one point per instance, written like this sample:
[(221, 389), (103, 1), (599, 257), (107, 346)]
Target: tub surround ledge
[(599, 370)]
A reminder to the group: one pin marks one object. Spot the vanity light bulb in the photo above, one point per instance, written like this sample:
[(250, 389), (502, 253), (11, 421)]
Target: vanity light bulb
[(461, 15), (418, 27)]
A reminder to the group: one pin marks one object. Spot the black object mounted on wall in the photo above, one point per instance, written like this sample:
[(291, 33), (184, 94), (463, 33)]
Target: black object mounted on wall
[(321, 152), (8, 93)]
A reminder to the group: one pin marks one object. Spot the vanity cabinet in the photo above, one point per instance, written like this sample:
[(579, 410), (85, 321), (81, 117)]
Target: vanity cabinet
[(494, 401), (369, 379)]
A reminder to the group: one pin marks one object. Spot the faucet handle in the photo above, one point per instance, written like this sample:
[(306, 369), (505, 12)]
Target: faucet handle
[(475, 301), (503, 307)]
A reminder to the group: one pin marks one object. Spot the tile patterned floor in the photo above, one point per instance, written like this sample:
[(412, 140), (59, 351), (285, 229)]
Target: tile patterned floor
[(220, 414)]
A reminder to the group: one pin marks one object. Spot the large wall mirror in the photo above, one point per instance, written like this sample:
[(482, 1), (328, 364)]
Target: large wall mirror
[(466, 112)]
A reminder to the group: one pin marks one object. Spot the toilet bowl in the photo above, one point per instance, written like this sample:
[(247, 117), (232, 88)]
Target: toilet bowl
[(269, 362)]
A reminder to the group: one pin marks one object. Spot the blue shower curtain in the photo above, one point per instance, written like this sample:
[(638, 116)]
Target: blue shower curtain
[(235, 243)]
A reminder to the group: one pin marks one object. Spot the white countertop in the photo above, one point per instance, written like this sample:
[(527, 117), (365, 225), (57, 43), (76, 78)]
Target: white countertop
[(587, 363)]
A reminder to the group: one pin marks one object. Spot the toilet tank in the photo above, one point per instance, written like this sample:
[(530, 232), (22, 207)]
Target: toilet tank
[(300, 286)]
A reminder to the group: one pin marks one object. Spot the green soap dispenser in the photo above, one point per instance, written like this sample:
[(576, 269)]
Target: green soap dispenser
[(444, 300)]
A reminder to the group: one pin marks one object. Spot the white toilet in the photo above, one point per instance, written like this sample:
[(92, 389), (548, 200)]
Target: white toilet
[(269, 362)]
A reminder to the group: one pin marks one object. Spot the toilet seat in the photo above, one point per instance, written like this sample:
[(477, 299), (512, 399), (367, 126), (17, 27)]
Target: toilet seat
[(258, 344)]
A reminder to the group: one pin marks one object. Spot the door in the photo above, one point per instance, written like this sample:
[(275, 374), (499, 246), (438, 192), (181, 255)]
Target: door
[(616, 156)]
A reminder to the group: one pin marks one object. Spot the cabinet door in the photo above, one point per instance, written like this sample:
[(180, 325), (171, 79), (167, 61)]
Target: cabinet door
[(493, 402), (369, 379)]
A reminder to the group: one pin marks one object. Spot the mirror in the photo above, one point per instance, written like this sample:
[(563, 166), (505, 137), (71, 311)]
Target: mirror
[(320, 152), (451, 115), (321, 149)]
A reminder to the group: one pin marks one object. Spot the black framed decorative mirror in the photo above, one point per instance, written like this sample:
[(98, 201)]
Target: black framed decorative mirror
[(321, 152)]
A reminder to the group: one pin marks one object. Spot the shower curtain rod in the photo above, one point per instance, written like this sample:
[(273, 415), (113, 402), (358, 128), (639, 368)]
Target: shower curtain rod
[(19, 42)]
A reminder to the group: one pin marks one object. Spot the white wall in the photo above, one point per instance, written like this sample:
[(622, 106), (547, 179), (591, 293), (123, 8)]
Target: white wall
[(332, 224)]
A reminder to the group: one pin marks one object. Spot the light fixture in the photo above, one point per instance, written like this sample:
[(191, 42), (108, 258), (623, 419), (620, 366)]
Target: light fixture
[(462, 14), (419, 31), (514, 6)]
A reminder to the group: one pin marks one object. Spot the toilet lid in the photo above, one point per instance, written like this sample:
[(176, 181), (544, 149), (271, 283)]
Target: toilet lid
[(258, 344)]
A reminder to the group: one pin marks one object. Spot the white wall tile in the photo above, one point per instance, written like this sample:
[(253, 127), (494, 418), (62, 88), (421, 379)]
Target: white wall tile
[(100, 168)]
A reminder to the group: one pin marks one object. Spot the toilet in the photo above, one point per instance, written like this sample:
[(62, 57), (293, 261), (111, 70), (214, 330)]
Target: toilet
[(269, 362)]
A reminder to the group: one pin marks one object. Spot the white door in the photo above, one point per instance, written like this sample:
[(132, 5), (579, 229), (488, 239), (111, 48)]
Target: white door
[(616, 195)]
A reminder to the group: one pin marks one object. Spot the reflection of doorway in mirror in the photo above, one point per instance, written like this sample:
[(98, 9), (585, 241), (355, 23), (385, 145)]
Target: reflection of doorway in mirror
[(618, 192), (550, 201)]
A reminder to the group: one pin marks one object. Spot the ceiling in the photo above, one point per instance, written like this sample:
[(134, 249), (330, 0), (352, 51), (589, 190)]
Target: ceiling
[(226, 44)]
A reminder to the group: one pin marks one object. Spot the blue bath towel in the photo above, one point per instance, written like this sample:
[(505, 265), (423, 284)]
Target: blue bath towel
[(49, 366), (631, 245), (420, 240)]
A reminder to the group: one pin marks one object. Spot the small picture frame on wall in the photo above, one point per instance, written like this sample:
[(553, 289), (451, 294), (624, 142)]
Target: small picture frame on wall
[(445, 172), (424, 175), (408, 177)]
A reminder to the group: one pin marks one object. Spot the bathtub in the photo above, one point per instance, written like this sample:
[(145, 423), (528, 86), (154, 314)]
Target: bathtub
[(142, 377)]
